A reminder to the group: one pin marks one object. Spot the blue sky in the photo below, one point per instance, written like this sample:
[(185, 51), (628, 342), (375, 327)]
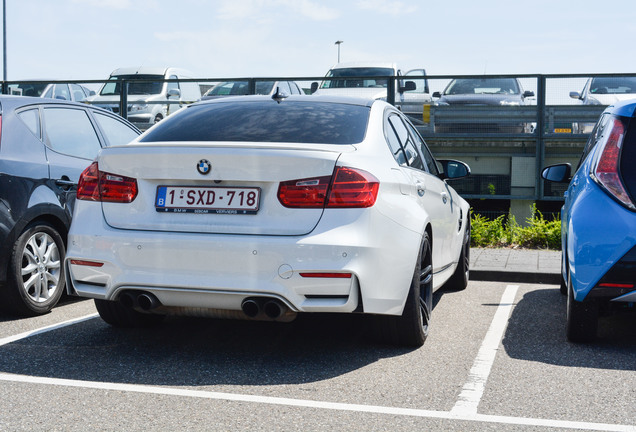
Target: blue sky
[(87, 39)]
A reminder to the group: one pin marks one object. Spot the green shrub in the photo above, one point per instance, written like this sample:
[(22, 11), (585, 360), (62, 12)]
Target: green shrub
[(505, 231)]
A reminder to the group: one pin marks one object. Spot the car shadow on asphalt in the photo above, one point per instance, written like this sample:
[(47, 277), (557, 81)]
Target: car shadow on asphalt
[(536, 332), (199, 351)]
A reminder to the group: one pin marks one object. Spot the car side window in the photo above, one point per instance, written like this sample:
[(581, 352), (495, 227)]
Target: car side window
[(31, 118), (78, 93), (412, 155), (116, 132), (173, 84), (294, 88), (60, 91), (70, 131), (594, 137), (394, 144), (429, 160), (284, 87)]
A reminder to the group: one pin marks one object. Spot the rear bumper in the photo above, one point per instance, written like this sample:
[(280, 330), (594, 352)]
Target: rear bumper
[(220, 271)]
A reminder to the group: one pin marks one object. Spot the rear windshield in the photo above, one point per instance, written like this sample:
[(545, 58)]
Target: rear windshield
[(265, 121)]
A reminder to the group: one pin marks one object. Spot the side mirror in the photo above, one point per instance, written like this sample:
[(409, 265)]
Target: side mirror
[(528, 93), (174, 92), (408, 86), (452, 169), (575, 95), (560, 173), (437, 95), (314, 87)]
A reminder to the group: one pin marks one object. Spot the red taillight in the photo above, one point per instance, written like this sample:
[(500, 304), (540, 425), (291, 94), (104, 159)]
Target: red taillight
[(353, 188), (95, 185), (605, 171), (305, 193), (347, 188)]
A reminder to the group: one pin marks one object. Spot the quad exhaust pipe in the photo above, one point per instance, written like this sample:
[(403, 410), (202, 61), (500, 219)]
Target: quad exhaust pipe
[(259, 308)]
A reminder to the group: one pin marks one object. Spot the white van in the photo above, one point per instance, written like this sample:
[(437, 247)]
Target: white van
[(149, 101), (350, 80)]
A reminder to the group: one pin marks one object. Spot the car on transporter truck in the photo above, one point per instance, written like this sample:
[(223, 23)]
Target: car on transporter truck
[(260, 207), (599, 223)]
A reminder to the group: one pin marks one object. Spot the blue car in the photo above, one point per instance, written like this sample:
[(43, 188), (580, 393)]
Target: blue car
[(599, 223)]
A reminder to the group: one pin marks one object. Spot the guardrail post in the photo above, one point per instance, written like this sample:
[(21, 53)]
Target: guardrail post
[(390, 90), (123, 99), (540, 150)]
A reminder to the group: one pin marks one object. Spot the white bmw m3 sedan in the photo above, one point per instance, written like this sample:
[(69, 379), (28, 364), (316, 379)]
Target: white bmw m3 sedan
[(267, 207)]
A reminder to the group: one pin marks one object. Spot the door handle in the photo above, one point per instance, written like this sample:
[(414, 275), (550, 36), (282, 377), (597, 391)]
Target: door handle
[(65, 183)]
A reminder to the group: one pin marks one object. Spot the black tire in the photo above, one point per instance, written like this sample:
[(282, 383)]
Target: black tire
[(582, 318), (459, 279), (118, 315), (35, 281), (411, 328)]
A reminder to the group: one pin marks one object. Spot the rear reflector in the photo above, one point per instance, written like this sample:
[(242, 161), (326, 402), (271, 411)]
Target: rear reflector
[(615, 285), (346, 188), (87, 263), (326, 275)]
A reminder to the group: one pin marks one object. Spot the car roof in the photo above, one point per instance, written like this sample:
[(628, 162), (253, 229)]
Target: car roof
[(365, 64), (8, 102), (18, 101), (149, 70), (623, 108)]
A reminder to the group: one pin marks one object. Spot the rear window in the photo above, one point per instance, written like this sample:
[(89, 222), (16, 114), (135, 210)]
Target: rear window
[(265, 121)]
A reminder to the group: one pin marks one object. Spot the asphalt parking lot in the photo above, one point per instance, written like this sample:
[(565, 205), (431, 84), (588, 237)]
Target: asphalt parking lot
[(496, 359)]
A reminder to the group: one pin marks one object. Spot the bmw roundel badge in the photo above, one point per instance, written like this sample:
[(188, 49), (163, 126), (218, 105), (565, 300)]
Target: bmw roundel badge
[(204, 166)]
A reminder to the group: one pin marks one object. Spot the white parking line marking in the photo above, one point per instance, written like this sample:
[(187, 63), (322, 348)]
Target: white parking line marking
[(473, 390), (51, 327), (464, 413), (301, 403)]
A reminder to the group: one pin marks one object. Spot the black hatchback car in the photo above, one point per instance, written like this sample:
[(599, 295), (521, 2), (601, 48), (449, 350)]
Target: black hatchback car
[(45, 144)]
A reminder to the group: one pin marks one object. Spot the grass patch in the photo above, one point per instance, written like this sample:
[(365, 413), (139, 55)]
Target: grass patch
[(505, 231)]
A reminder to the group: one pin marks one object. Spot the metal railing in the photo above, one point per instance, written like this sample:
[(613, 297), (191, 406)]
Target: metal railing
[(506, 146)]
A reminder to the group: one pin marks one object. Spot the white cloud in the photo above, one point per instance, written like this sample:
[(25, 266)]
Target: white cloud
[(394, 7), (266, 9), (109, 4), (120, 4)]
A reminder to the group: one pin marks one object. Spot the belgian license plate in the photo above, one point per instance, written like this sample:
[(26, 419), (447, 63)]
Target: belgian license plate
[(213, 200)]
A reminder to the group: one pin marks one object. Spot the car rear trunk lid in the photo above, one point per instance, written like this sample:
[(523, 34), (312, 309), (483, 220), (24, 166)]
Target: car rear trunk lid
[(237, 171)]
